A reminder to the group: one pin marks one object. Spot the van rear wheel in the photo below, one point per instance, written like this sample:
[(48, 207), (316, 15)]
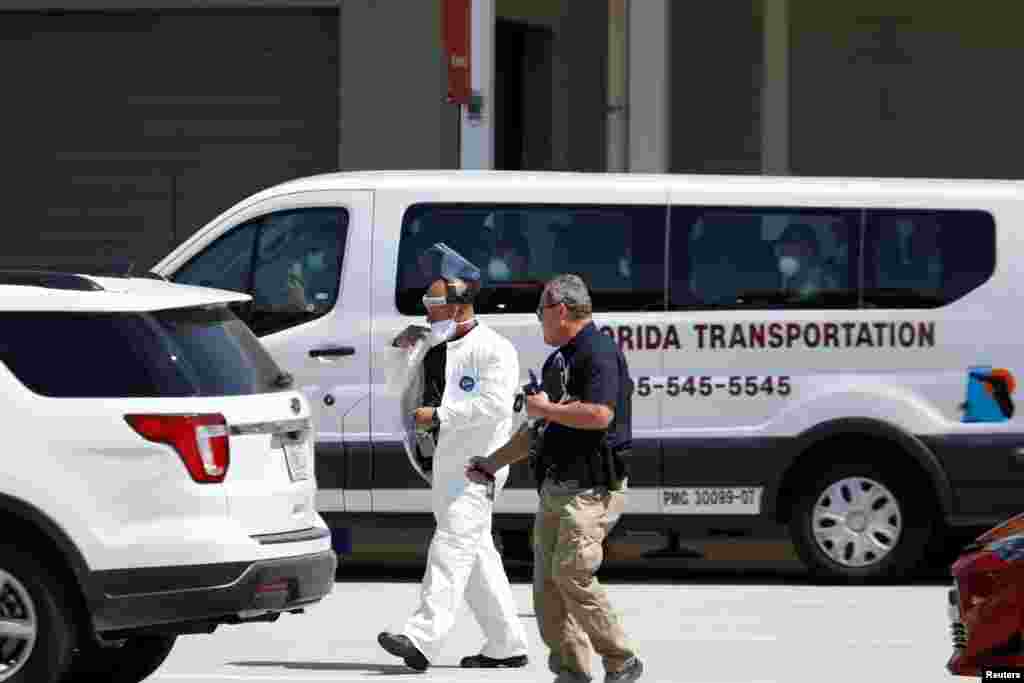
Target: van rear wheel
[(857, 523)]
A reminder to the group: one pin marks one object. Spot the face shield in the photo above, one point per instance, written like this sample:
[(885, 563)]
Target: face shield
[(461, 276)]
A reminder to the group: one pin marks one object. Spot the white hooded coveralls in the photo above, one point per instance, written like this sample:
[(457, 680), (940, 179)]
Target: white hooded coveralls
[(477, 417)]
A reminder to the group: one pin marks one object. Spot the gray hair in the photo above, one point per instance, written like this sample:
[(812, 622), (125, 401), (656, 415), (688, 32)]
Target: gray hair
[(570, 290)]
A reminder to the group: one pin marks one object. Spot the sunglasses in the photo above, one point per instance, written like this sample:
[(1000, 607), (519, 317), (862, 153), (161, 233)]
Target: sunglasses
[(540, 310), (430, 301)]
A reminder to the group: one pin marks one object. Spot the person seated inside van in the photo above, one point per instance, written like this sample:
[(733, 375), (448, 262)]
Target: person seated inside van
[(799, 261), (311, 281), (911, 259), (511, 259)]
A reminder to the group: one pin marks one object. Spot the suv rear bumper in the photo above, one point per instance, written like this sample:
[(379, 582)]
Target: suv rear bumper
[(199, 597)]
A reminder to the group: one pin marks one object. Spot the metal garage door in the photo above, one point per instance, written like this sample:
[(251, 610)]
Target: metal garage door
[(120, 134)]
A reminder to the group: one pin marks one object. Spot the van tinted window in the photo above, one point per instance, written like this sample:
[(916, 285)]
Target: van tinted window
[(618, 250), (925, 259), (184, 352), (729, 257), (289, 261)]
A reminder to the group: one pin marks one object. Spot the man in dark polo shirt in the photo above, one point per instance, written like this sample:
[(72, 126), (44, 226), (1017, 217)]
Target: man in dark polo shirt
[(584, 435)]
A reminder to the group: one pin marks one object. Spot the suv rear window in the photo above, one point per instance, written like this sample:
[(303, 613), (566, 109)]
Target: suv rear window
[(183, 352)]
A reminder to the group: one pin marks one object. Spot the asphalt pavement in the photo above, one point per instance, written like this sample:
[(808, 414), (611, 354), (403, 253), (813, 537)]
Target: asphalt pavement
[(690, 623)]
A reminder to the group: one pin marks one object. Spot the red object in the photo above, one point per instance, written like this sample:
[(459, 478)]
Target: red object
[(455, 40), (279, 586), (986, 607), (200, 440)]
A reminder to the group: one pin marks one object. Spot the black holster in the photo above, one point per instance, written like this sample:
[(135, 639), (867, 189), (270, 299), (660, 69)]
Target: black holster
[(538, 463), (608, 466)]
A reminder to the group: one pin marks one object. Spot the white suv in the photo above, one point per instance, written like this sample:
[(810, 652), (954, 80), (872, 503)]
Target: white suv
[(156, 476)]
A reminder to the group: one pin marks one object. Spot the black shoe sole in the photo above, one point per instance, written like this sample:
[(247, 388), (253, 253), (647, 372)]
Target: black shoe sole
[(417, 663), (481, 662), (413, 660)]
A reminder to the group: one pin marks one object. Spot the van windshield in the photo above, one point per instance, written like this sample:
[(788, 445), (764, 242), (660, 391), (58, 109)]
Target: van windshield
[(203, 351)]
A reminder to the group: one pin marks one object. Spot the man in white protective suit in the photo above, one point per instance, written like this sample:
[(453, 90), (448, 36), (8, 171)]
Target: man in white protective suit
[(475, 416)]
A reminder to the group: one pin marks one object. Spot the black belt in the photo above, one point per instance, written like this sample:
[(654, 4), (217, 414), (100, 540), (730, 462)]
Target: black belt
[(577, 472), (594, 470)]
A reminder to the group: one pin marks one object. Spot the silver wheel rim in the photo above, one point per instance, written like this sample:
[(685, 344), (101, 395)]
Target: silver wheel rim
[(19, 626), (856, 522)]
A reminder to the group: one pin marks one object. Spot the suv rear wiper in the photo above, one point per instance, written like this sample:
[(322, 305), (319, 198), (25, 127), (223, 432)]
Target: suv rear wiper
[(283, 380)]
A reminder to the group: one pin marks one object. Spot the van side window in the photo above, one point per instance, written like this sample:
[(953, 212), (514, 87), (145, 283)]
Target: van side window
[(618, 250), (727, 257), (926, 259), (289, 261), (224, 264)]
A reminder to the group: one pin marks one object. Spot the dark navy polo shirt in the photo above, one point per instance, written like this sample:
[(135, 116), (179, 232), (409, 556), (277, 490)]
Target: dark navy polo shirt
[(589, 368)]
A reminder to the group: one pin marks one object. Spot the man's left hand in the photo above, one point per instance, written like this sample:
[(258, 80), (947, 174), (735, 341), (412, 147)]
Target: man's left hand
[(424, 416), (537, 404), (480, 470)]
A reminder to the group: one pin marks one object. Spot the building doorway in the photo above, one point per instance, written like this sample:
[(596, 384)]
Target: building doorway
[(523, 82)]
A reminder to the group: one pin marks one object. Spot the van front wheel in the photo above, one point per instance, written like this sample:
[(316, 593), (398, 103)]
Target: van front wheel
[(857, 523)]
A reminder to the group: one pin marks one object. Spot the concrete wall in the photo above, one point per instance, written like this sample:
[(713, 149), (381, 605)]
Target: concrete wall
[(584, 33), (716, 56), (392, 82), (907, 88), (126, 131), (877, 87), (579, 86), (393, 85)]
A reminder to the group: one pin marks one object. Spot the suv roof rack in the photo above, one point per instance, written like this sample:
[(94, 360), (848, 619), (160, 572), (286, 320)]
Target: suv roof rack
[(49, 279)]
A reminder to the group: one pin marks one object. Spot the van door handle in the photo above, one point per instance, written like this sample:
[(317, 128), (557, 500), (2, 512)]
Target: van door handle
[(333, 352)]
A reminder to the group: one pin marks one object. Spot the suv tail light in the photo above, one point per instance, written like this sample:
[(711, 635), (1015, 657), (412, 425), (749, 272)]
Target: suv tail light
[(201, 441)]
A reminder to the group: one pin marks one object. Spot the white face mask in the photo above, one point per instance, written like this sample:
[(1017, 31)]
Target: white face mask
[(442, 330), (499, 270), (788, 266)]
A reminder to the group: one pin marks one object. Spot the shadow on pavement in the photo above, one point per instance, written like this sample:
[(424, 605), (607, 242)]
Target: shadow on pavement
[(382, 669)]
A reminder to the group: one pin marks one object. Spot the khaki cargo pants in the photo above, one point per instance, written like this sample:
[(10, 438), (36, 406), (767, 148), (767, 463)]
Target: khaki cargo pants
[(572, 607)]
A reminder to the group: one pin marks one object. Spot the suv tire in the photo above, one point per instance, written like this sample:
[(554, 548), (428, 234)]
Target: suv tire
[(32, 597), (133, 661), (857, 522)]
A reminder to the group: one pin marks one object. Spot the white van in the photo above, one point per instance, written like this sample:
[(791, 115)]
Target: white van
[(831, 356)]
